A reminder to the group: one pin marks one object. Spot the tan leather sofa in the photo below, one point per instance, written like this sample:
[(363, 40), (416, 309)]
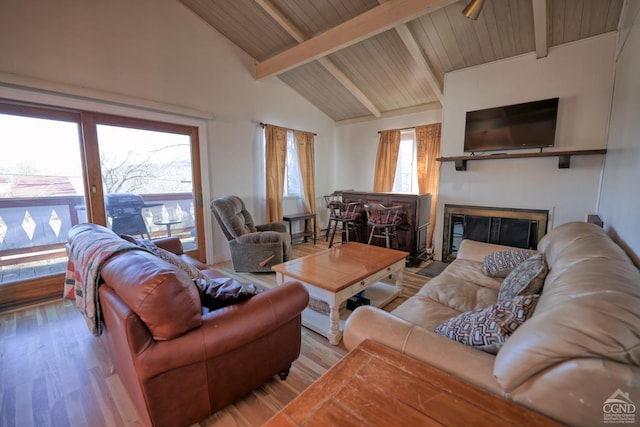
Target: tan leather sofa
[(177, 364), (580, 346)]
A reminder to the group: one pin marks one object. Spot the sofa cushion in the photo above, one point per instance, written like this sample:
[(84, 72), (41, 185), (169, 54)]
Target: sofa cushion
[(162, 295), (488, 328), (462, 287), (590, 309), (424, 312), (501, 263), (526, 279), (578, 236)]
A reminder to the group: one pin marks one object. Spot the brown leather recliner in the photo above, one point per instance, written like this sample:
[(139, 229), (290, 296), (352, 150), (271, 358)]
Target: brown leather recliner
[(178, 365)]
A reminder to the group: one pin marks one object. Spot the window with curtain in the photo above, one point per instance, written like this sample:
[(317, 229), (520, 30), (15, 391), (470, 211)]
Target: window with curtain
[(289, 169), (406, 178), (406, 162), (292, 169)]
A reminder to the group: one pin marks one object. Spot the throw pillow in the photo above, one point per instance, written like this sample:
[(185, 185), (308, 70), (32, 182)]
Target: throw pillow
[(526, 279), (501, 263), (487, 329), (167, 256), (221, 292)]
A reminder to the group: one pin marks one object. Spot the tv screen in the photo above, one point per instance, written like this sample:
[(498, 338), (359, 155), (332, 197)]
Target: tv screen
[(527, 125)]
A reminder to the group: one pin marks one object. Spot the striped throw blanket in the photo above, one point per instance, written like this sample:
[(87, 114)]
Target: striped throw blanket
[(89, 246)]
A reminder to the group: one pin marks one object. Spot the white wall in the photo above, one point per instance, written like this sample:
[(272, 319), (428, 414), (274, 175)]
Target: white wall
[(581, 75), (619, 202), (158, 51)]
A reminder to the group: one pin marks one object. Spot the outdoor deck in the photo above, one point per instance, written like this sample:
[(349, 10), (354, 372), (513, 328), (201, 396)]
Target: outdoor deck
[(33, 231)]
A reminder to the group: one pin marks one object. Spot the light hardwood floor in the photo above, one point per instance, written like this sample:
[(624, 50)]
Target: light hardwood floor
[(53, 372)]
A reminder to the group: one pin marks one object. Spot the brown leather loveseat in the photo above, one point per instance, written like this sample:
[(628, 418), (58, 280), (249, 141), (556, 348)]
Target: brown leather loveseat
[(178, 364)]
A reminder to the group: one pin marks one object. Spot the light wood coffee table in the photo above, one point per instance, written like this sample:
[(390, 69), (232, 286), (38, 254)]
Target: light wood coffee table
[(336, 274)]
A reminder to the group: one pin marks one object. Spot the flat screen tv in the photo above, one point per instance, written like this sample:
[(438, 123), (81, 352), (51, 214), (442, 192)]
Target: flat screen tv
[(511, 127)]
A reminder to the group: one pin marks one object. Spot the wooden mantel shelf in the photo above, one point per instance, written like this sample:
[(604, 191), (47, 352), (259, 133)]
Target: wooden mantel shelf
[(564, 157)]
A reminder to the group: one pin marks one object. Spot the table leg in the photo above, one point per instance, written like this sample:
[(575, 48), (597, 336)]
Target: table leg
[(399, 276), (334, 326)]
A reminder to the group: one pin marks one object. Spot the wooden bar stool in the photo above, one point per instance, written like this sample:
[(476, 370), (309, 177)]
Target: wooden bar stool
[(333, 201), (383, 221), (347, 215)]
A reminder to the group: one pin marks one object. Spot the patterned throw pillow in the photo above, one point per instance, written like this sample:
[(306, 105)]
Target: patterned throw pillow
[(167, 256), (487, 329), (500, 264), (526, 279)]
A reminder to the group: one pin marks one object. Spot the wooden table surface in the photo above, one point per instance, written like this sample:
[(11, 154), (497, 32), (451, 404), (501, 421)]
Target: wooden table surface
[(340, 266), (375, 385)]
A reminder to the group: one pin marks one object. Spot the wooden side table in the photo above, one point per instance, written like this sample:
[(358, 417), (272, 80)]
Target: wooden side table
[(306, 217), (375, 385)]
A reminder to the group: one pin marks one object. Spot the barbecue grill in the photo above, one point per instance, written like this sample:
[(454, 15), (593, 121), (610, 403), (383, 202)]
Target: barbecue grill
[(125, 211)]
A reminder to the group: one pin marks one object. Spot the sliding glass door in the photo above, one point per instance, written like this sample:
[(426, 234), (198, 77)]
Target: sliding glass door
[(149, 179), (60, 168), (41, 189)]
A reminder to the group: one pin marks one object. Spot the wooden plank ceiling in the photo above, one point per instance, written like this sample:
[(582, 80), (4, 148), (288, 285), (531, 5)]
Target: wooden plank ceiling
[(365, 58)]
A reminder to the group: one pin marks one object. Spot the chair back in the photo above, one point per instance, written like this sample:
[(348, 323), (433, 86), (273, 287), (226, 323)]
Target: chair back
[(378, 214), (348, 211), (233, 217), (333, 202)]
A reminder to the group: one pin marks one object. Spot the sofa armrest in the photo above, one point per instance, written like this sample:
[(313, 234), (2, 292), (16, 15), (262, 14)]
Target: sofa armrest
[(471, 365), (226, 329), (171, 244), (260, 237), (259, 315), (476, 251), (126, 332), (174, 245), (277, 226), (574, 391)]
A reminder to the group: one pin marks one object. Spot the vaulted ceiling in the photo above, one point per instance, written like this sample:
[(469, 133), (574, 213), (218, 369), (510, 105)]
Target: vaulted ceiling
[(371, 58)]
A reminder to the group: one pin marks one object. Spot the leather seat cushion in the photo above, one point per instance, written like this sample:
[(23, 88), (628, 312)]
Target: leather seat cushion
[(462, 287)]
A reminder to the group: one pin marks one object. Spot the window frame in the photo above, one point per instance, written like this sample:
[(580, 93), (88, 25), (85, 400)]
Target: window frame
[(405, 136), (292, 157), (48, 287)]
